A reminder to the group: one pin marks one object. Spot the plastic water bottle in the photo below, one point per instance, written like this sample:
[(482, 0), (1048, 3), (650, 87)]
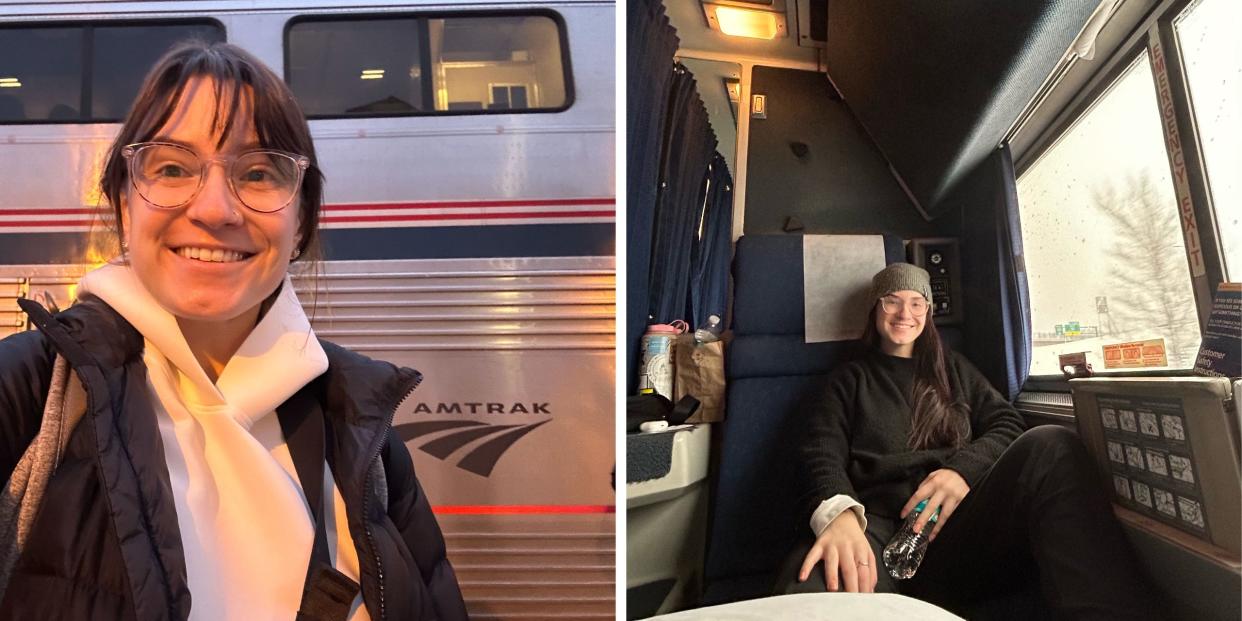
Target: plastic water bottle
[(708, 332), (905, 551)]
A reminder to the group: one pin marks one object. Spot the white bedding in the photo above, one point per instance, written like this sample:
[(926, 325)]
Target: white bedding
[(818, 607)]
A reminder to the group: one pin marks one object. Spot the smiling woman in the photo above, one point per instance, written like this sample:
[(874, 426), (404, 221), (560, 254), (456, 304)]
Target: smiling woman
[(230, 456), (912, 431), (210, 251)]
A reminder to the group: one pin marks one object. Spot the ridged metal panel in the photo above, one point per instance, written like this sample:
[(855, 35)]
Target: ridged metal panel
[(34, 281), (529, 567), (464, 305)]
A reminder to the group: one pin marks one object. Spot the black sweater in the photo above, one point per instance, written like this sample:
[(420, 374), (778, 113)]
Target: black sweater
[(858, 428)]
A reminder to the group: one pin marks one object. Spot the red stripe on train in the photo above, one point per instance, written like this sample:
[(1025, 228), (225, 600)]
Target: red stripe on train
[(521, 509), (557, 202), (53, 211), (470, 216), (30, 223)]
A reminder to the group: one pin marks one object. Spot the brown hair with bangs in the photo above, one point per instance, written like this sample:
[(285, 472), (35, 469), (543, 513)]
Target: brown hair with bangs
[(278, 120), (940, 419)]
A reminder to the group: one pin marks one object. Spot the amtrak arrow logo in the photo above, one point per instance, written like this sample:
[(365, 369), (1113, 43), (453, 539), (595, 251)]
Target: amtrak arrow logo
[(482, 459)]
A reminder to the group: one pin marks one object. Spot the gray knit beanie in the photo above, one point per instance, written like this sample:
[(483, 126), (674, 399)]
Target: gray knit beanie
[(901, 277)]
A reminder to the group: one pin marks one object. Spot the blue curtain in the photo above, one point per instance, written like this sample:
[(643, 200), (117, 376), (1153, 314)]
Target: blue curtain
[(1015, 296), (994, 274), (651, 43), (678, 189), (689, 144), (711, 256)]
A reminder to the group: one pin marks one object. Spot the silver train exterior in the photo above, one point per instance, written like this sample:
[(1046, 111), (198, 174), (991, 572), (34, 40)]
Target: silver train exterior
[(477, 248)]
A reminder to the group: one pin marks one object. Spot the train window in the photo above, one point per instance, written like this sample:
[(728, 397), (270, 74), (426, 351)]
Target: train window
[(356, 68), (500, 63), (1213, 69), (427, 65), (122, 55), (40, 74), (1104, 251), (43, 76)]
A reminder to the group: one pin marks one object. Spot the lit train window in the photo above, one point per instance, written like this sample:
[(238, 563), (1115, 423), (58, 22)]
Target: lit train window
[(1103, 246), (397, 66), (1209, 48), (497, 63), (44, 79)]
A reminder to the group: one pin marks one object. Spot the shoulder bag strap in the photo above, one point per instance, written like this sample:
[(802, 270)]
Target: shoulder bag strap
[(328, 594), (23, 493)]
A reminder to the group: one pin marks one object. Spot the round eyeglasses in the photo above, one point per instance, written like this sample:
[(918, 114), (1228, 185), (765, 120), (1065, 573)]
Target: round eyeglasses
[(892, 305), (170, 176)]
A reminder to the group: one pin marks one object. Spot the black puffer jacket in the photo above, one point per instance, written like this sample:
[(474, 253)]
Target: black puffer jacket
[(106, 543)]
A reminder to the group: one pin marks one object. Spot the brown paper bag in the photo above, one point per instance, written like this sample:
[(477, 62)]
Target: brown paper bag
[(699, 372)]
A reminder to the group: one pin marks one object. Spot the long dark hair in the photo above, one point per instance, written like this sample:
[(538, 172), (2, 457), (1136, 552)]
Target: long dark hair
[(278, 120), (940, 419)]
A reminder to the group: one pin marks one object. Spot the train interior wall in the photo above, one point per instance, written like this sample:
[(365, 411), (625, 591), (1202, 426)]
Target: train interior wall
[(839, 184)]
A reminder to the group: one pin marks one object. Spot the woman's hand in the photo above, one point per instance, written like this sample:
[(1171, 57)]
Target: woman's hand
[(942, 488), (848, 559)]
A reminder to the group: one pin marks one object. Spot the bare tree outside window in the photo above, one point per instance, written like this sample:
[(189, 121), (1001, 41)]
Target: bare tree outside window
[(1149, 289)]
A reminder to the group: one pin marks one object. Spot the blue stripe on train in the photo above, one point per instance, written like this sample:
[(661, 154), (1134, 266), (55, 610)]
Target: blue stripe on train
[(456, 242), (453, 242), (42, 248)]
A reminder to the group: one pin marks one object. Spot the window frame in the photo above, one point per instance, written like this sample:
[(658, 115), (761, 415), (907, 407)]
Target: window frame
[(422, 18), (1154, 28), (88, 27)]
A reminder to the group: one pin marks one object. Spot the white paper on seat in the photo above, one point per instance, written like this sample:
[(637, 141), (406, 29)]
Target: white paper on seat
[(836, 275), (819, 607)]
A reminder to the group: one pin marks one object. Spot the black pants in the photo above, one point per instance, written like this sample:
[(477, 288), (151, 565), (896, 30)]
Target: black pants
[(1036, 538)]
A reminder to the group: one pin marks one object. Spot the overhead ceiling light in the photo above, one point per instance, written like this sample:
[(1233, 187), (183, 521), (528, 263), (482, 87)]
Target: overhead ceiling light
[(372, 74), (10, 83), (739, 21)]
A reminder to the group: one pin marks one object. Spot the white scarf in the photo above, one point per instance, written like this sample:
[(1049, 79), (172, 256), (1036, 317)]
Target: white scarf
[(245, 524)]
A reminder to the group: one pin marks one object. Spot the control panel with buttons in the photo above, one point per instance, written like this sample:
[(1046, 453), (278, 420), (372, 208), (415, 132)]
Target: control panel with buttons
[(939, 256)]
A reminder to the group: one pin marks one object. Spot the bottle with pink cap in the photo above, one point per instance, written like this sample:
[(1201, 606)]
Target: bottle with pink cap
[(656, 373)]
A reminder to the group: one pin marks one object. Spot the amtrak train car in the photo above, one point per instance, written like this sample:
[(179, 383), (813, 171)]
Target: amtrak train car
[(1067, 174), (468, 232)]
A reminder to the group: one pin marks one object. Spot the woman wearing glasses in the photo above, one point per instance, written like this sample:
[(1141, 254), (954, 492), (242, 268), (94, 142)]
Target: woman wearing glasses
[(910, 422), (229, 465)]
